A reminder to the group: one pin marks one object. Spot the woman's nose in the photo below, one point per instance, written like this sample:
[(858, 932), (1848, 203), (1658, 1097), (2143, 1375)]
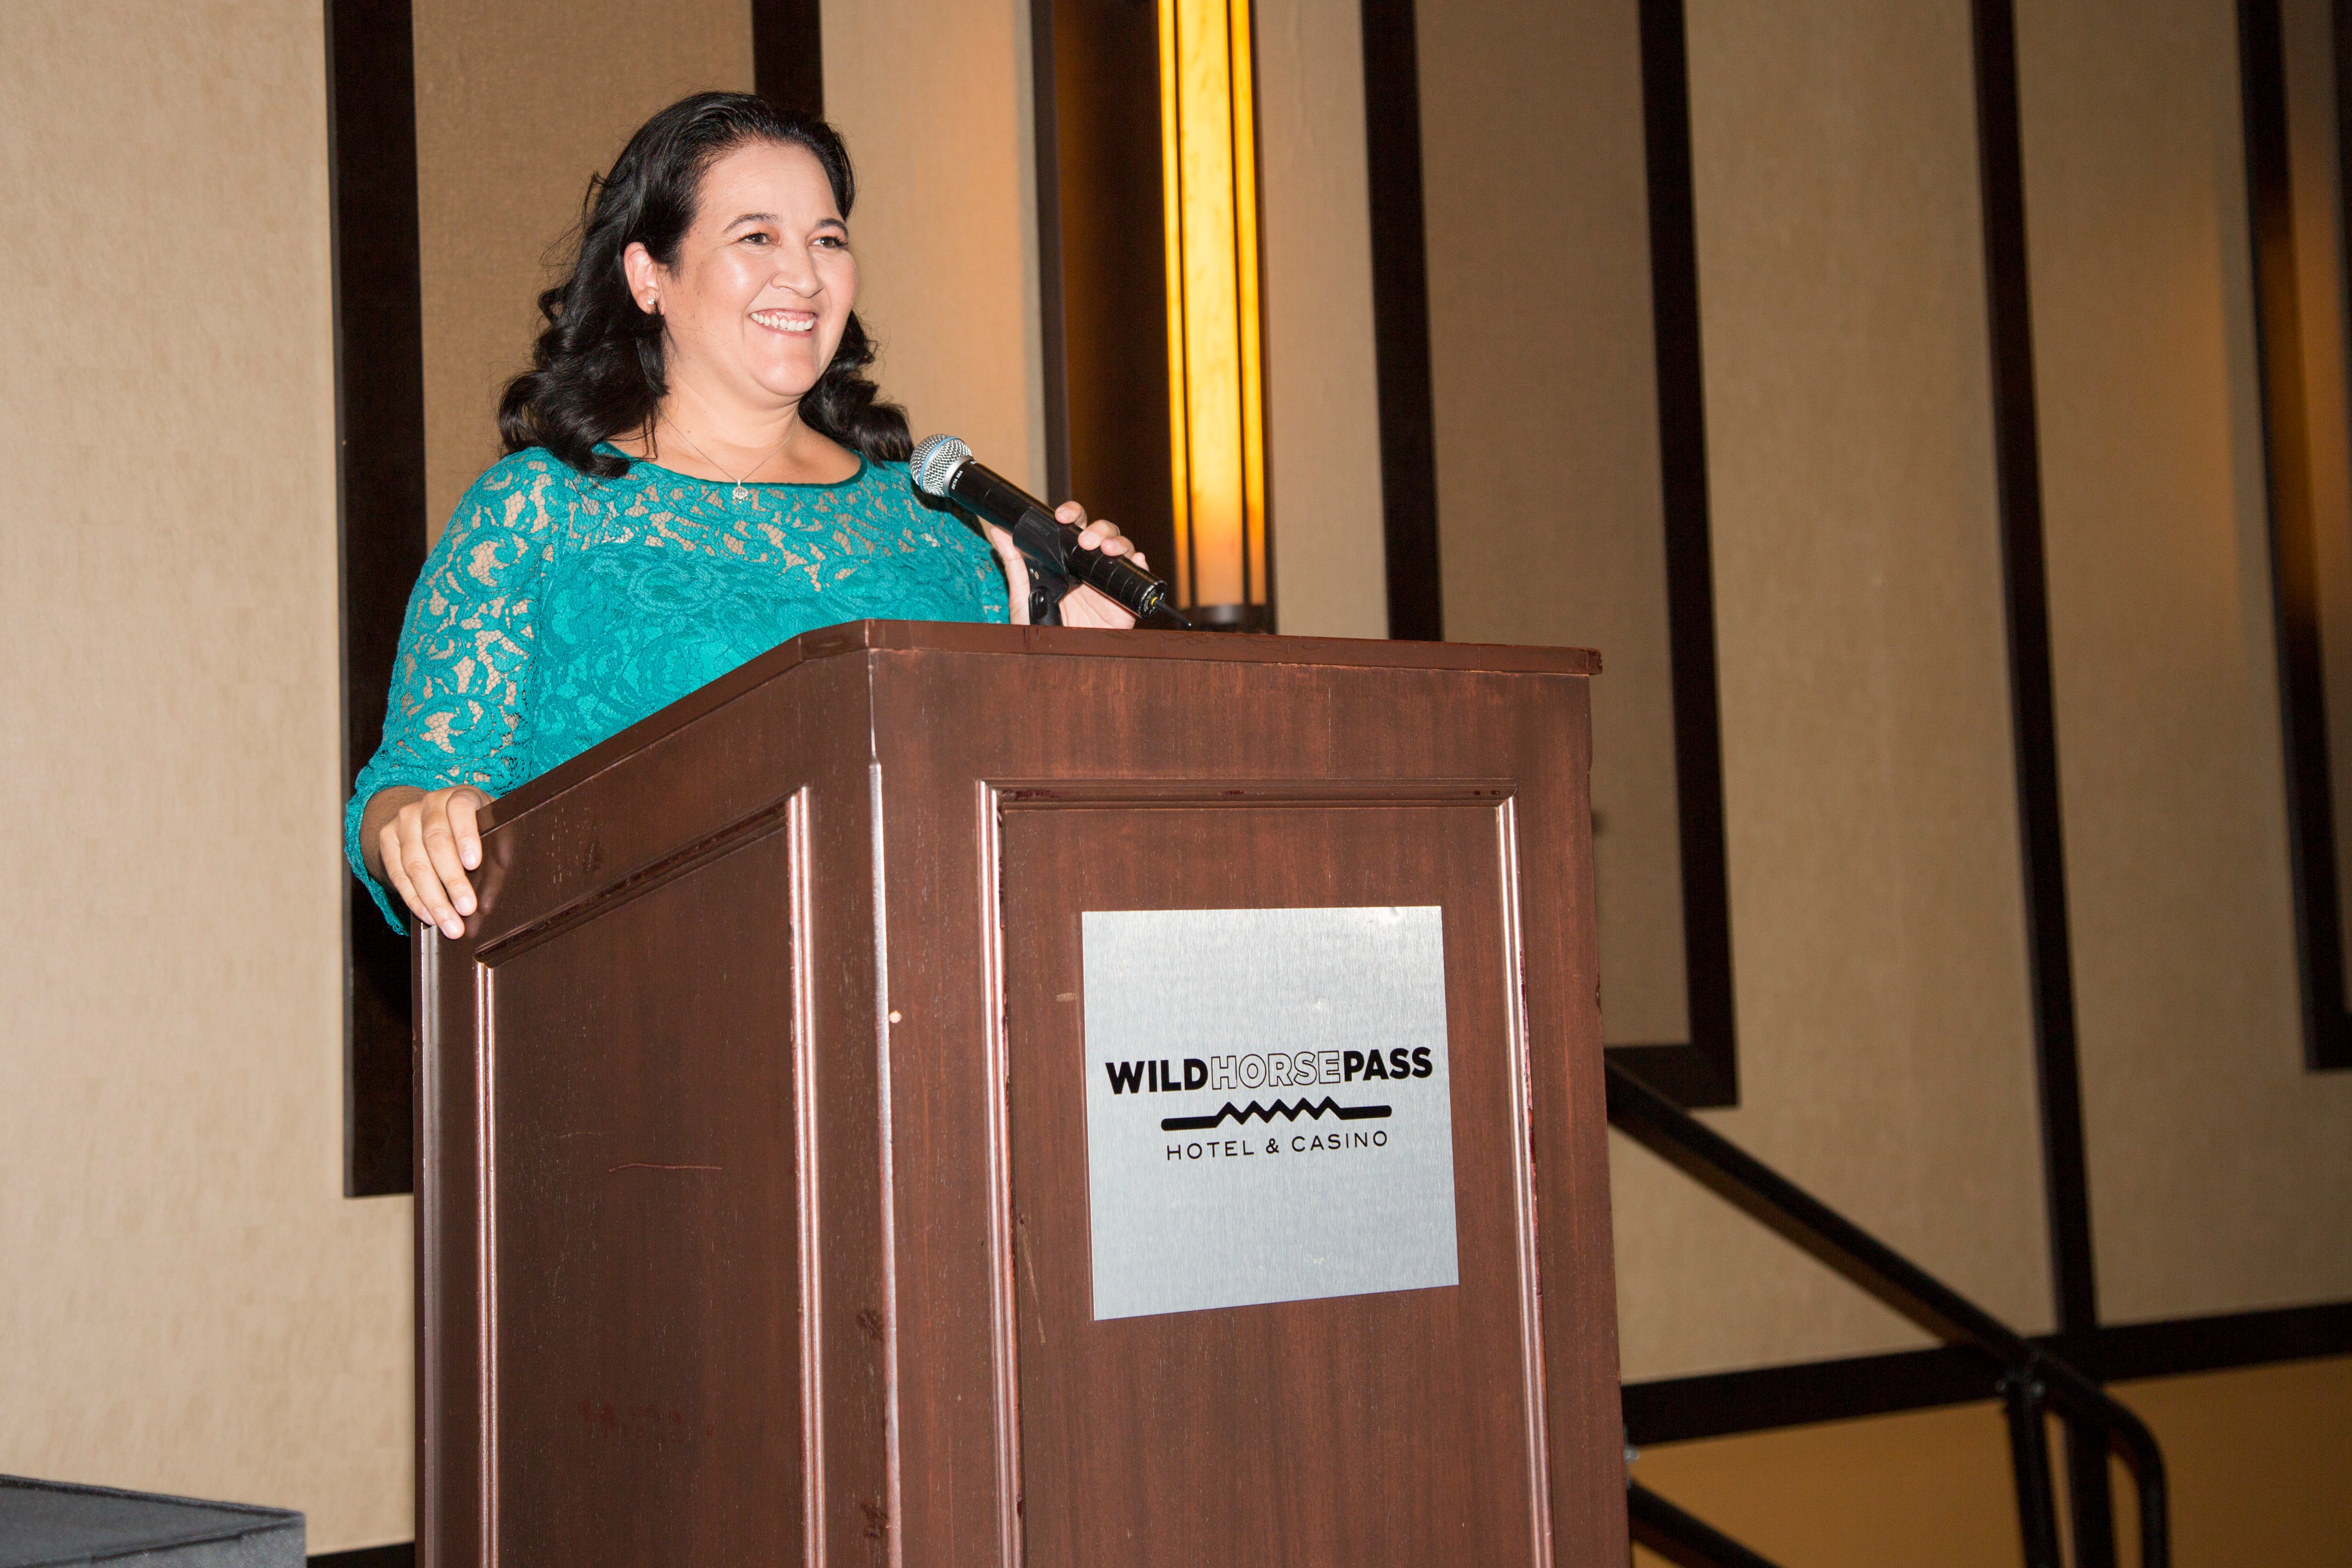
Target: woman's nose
[(796, 272)]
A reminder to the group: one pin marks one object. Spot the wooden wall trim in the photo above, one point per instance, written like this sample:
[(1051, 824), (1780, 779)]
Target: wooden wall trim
[(1401, 321), (788, 53), (401, 1554), (2033, 701), (1102, 264), (1054, 352), (2294, 546), (1703, 1071), (380, 489), (2033, 720)]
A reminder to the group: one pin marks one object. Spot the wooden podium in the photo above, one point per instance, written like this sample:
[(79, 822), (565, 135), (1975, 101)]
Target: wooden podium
[(753, 1202)]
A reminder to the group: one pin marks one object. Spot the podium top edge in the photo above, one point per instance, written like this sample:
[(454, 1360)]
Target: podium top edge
[(870, 637), (1207, 647)]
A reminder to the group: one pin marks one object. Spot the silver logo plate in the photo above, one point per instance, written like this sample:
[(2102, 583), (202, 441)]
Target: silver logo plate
[(1267, 1111)]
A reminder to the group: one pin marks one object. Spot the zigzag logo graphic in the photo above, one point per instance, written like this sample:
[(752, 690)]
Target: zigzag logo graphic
[(1268, 1113)]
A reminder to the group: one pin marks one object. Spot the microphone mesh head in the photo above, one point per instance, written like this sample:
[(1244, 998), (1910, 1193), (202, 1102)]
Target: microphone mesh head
[(935, 463)]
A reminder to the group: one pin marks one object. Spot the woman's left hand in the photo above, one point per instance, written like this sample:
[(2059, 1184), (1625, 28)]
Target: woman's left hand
[(1082, 606)]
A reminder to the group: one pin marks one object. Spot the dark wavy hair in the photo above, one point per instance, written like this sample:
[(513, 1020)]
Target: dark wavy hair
[(597, 370)]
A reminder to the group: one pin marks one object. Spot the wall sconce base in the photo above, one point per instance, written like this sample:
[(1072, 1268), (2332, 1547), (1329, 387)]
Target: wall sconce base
[(1230, 617)]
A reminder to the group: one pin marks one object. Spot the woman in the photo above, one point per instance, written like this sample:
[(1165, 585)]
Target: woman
[(696, 471)]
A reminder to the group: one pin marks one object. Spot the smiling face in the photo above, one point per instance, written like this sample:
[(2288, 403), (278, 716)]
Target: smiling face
[(763, 284)]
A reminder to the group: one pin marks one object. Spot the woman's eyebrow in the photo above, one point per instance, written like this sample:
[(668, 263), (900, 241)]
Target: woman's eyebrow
[(771, 217)]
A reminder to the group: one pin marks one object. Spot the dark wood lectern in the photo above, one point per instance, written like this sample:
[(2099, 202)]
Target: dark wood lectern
[(753, 1201)]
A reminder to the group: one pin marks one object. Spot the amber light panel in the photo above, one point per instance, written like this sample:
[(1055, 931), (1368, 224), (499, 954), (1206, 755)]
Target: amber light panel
[(1216, 407)]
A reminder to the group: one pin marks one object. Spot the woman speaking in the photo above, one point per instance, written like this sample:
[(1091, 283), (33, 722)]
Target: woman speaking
[(696, 471)]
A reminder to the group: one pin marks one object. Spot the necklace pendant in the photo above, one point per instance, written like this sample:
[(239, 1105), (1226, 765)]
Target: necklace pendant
[(743, 491)]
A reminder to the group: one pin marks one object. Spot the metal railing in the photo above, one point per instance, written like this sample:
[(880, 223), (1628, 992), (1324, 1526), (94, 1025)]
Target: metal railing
[(2030, 1383), (1683, 1539)]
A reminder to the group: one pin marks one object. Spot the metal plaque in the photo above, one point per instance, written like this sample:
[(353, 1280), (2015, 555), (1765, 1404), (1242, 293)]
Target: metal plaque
[(1268, 1117)]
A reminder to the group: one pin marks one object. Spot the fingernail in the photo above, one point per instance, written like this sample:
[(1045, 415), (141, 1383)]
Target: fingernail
[(453, 929), (465, 903)]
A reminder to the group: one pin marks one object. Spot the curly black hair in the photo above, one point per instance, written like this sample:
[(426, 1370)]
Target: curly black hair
[(597, 370)]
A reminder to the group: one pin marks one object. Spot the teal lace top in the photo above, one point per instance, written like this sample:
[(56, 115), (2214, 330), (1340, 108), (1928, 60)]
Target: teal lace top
[(559, 609)]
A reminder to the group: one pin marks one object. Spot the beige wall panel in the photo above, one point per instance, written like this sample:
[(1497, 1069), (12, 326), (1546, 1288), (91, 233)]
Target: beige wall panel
[(2218, 1165), (518, 103), (934, 99), (188, 1302), (1323, 426), (1547, 421), (1876, 911), (1885, 1057)]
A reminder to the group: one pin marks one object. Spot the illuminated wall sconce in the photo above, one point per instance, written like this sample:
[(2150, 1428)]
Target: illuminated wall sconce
[(1216, 384)]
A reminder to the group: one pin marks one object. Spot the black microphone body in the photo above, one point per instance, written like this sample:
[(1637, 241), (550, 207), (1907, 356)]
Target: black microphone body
[(1050, 546)]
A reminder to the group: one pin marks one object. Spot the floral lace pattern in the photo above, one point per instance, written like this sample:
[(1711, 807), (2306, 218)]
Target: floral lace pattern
[(559, 609)]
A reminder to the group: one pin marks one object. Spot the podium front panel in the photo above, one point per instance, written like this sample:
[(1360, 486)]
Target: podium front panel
[(1396, 1427), (641, 1105), (1475, 1423)]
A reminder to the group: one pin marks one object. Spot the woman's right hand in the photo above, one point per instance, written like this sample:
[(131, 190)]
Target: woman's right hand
[(422, 844)]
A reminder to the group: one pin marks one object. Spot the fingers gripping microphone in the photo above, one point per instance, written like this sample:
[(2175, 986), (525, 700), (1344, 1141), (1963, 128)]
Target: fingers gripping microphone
[(944, 467)]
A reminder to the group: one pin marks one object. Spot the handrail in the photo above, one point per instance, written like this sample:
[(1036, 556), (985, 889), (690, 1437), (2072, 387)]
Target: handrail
[(2027, 1378), (1683, 1539)]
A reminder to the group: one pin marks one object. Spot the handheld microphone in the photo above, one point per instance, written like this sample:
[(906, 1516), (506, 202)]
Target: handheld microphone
[(944, 467)]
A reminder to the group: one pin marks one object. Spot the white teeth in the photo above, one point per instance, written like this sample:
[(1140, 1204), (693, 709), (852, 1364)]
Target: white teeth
[(778, 322)]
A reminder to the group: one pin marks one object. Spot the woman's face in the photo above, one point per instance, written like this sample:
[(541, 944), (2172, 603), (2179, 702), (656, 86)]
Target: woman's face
[(764, 280)]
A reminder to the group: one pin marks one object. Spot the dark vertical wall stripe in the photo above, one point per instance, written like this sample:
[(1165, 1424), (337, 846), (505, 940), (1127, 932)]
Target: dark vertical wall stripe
[(788, 53), (2034, 731), (380, 480), (2032, 701), (1269, 618), (1401, 321), (1705, 1071), (1103, 265), (2295, 545), (1044, 88)]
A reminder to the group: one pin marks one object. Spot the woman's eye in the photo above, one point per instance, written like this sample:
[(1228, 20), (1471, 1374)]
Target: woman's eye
[(755, 239)]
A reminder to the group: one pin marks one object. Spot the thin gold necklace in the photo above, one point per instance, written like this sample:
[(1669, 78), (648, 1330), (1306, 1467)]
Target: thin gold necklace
[(742, 489)]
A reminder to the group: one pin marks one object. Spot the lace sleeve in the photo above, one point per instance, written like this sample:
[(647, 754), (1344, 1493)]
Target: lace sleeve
[(458, 712)]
